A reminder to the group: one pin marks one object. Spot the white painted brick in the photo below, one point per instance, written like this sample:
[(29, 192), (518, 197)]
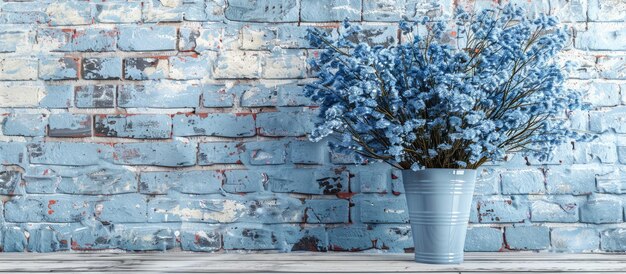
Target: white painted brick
[(607, 10), (18, 69), (238, 64), (20, 96)]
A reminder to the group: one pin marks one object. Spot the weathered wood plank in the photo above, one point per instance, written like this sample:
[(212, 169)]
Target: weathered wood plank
[(307, 263)]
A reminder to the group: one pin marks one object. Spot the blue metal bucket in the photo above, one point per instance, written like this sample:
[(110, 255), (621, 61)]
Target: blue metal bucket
[(439, 203)]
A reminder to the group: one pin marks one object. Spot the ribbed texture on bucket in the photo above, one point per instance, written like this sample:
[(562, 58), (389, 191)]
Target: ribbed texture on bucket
[(438, 202)]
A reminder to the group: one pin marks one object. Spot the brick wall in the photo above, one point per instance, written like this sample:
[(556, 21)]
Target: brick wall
[(153, 125)]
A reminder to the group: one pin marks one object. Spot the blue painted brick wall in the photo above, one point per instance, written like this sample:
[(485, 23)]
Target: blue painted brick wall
[(181, 125)]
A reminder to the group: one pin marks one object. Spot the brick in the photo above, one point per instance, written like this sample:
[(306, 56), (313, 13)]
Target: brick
[(527, 237), (122, 208), (285, 123), (612, 67), (330, 10), (198, 10), (307, 152), (10, 182), (91, 40), (273, 209), (266, 153), (237, 65), (69, 125), (162, 94), (351, 238), (298, 238), (267, 37), (108, 68), (99, 96), (613, 240), (218, 96), (153, 38), (308, 181), (258, 95), (146, 68), (386, 11), (262, 10), (569, 11), (327, 211), (67, 154), (611, 181), (599, 94), (602, 10), (575, 239), (157, 11), (210, 38), (206, 210), (584, 65), (22, 209), (215, 10), (189, 67), (14, 239), (41, 179), (483, 239), (55, 39), (95, 237), (250, 238), (145, 126), (173, 154), (13, 153), (487, 181), (200, 238), (284, 65), (18, 69), (221, 153), (610, 119), (244, 181), (502, 210), (556, 209), (381, 209), (192, 182), (601, 36), (58, 97), (24, 13), (522, 181), (417, 9), (18, 124), (65, 208), (44, 240), (621, 151), (602, 209), (20, 96), (376, 35), (595, 151), (142, 237), (570, 180), (126, 12), (373, 179), (10, 41), (217, 209), (395, 238), (214, 124), (101, 179), (69, 13), (64, 68)]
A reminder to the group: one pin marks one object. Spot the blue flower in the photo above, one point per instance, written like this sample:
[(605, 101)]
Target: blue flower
[(446, 100)]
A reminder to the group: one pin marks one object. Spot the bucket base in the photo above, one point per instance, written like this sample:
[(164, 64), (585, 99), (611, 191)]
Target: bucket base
[(438, 258)]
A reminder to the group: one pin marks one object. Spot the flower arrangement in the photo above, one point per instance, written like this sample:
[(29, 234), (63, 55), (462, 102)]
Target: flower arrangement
[(449, 97)]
